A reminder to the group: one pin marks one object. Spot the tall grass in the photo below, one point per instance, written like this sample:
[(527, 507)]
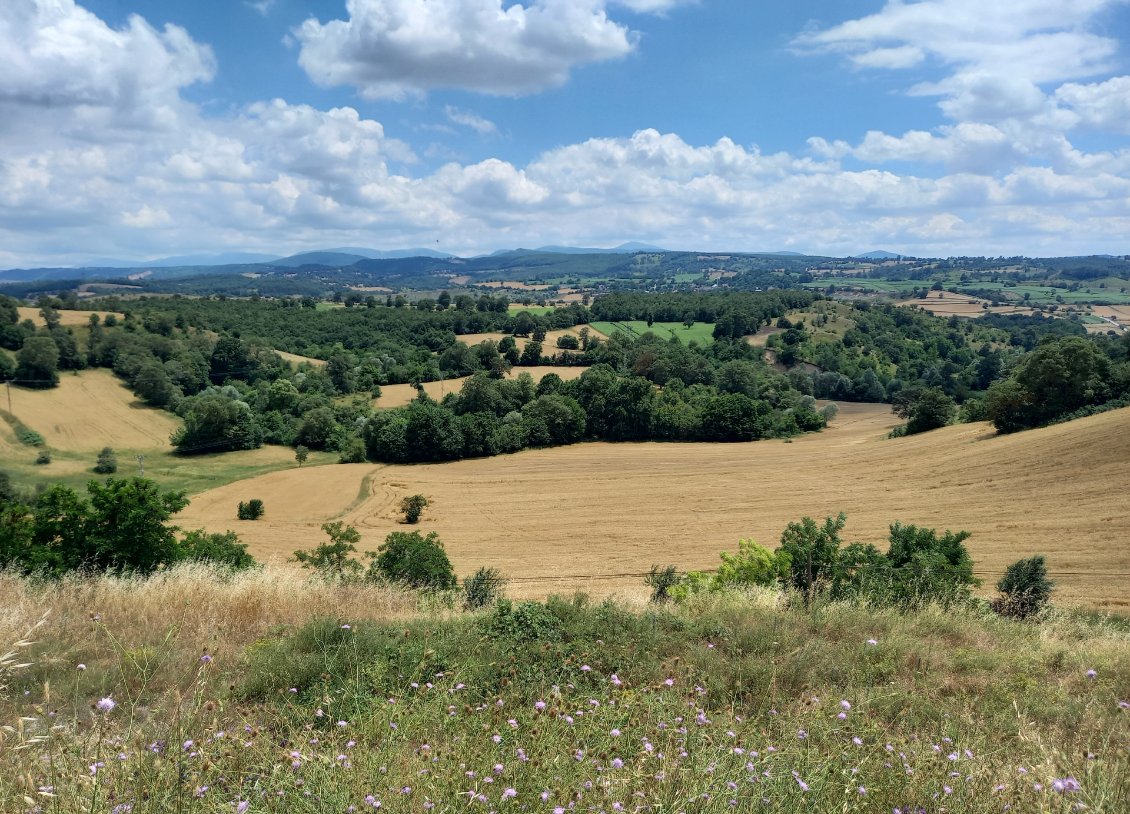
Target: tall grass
[(267, 693)]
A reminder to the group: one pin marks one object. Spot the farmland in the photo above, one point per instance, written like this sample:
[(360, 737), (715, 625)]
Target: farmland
[(700, 332), (585, 517)]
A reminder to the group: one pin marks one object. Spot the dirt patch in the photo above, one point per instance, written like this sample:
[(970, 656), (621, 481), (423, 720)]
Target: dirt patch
[(91, 410), (596, 516)]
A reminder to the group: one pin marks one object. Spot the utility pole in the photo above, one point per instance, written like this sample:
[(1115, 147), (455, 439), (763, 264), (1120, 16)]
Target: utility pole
[(141, 465), (9, 386)]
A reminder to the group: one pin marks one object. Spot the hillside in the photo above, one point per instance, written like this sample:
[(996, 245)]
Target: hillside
[(585, 517)]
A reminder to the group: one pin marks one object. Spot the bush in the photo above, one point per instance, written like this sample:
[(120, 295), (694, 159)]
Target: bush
[(222, 549), (661, 581), (251, 510), (331, 560), (1025, 589), (43, 458), (410, 558), (107, 463), (413, 506), (482, 588)]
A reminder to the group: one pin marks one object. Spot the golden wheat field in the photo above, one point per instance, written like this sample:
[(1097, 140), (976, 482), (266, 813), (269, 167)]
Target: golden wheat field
[(399, 395), (66, 318), (295, 359), (596, 516), (961, 305), (89, 411)]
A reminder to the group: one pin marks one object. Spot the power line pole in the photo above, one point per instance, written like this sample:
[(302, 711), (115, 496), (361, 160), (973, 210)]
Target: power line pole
[(9, 386), (141, 465)]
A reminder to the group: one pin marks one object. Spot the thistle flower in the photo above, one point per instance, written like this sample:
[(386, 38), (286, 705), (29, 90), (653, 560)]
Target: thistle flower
[(105, 705)]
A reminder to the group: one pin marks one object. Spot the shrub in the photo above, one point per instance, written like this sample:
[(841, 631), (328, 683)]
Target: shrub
[(412, 506), (222, 549), (812, 551), (1025, 589), (301, 453), (415, 560), (43, 458), (107, 463), (482, 588), (251, 510), (524, 622), (661, 581), (352, 452), (331, 560)]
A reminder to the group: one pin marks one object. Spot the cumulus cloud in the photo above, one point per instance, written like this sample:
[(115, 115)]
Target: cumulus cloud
[(1102, 105), (122, 165), (54, 53), (997, 55), (397, 48)]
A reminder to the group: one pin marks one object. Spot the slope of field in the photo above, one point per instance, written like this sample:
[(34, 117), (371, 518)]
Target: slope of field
[(398, 395), (66, 318), (295, 359), (596, 516), (92, 410)]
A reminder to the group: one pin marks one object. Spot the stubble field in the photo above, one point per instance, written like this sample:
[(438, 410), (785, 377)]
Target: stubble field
[(596, 516)]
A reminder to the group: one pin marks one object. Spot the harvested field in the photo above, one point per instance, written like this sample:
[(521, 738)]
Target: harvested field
[(92, 410), (297, 360), (66, 318), (516, 285), (549, 345), (596, 516), (398, 395), (961, 305)]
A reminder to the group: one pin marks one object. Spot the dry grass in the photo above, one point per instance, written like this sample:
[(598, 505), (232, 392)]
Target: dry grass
[(89, 411), (596, 516), (223, 615), (66, 318), (399, 395)]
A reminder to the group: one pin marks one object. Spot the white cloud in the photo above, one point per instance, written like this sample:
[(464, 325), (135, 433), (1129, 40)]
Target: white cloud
[(652, 6), (262, 6), (1102, 105), (398, 48), (54, 53), (117, 163), (483, 127), (996, 54)]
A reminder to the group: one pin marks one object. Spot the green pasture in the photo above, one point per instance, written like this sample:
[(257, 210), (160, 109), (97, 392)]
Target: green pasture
[(700, 332)]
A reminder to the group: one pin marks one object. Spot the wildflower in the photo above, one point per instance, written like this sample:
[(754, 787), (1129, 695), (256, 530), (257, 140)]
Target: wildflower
[(801, 734), (206, 659), (801, 783), (1124, 704), (241, 806), (346, 627), (80, 667), (539, 706), (615, 679), (1092, 674), (499, 768), (585, 668), (508, 793), (842, 716), (858, 741), (862, 790), (670, 682), (105, 705), (617, 763), (846, 705), (615, 733), (200, 792), (1066, 784), (872, 642)]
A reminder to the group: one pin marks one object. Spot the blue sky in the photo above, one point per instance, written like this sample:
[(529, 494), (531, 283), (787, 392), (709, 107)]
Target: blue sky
[(144, 128)]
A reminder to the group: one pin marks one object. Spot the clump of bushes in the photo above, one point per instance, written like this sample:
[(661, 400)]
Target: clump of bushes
[(251, 510), (482, 588), (1025, 589), (43, 458), (222, 549), (107, 463), (412, 507), (405, 557)]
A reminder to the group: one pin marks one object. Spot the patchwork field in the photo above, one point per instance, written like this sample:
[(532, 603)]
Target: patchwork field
[(295, 359), (961, 305), (596, 516), (700, 332)]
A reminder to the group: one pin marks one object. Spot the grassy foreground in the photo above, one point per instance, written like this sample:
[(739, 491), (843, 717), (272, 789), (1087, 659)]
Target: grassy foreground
[(267, 693)]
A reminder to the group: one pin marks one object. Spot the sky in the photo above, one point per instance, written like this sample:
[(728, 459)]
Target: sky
[(140, 129)]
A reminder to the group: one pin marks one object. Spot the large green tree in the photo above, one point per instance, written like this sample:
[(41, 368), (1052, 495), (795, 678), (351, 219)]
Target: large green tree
[(37, 363)]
